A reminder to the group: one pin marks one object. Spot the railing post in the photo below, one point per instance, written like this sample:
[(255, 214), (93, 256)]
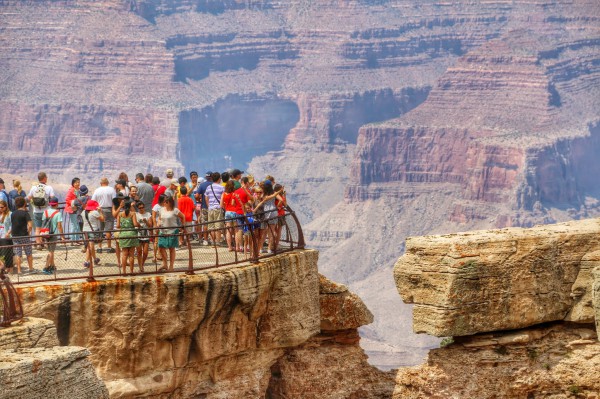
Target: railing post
[(11, 303), (190, 270)]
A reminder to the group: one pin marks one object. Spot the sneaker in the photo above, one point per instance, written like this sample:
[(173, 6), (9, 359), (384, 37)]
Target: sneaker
[(263, 251), (86, 264), (97, 261), (32, 271), (47, 271), (204, 242), (99, 250)]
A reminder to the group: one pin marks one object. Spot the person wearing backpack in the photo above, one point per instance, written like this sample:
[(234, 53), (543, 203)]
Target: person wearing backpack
[(38, 196), (17, 191), (52, 220)]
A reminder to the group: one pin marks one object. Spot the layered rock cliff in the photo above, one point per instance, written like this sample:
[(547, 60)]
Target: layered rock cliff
[(519, 306), (246, 331), (495, 106)]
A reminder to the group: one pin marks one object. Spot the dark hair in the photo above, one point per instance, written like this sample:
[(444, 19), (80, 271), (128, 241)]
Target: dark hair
[(74, 180), (123, 176), (216, 176), (267, 188), (170, 200), (192, 173), (182, 179), (225, 177), (245, 179), (138, 204), (127, 207), (139, 176), (156, 180), (19, 202), (229, 186), (161, 198), (148, 178), (277, 187), (183, 190)]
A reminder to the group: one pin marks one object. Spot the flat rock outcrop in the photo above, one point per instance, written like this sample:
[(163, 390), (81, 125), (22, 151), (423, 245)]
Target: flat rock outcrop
[(32, 365), (466, 283)]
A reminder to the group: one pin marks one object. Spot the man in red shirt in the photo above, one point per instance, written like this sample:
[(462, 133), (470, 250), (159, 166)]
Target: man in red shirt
[(186, 206), (242, 195)]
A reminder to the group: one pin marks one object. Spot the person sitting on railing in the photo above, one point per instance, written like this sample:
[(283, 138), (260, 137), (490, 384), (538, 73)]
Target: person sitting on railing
[(21, 229), (93, 218), (53, 219), (168, 218), (128, 236)]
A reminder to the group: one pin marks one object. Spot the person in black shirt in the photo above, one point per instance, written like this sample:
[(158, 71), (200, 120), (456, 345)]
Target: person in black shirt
[(21, 229)]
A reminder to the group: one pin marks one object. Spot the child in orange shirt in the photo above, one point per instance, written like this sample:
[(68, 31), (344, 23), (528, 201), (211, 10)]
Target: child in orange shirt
[(186, 206)]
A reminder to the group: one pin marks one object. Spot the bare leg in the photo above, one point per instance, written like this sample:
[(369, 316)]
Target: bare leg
[(171, 258), (140, 256), (163, 254), (123, 262)]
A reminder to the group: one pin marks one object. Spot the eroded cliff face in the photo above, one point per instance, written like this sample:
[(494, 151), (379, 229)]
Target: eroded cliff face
[(519, 304), (213, 334), (243, 332)]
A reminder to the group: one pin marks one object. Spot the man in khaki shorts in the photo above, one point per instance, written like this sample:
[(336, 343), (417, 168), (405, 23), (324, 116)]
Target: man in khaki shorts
[(215, 212)]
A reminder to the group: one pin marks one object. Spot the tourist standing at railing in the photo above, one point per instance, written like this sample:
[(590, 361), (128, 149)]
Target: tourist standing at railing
[(3, 194), (39, 195), (21, 230), (228, 204), (128, 236), (186, 206), (104, 196), (191, 189), (200, 195), (121, 187), (268, 215), (55, 224), (93, 218), (215, 212), (159, 190), (144, 190), (236, 176), (145, 220), (133, 193), (79, 203), (17, 191), (168, 219), (280, 211), (72, 222), (242, 196), (155, 212), (118, 204), (6, 251)]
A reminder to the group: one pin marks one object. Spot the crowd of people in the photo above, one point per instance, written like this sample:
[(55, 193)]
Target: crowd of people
[(129, 217)]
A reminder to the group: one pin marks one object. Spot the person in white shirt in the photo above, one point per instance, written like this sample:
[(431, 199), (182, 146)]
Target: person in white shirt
[(104, 196), (38, 211)]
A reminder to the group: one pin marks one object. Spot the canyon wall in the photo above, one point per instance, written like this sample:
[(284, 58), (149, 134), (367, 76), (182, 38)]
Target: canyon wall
[(383, 119), (221, 334), (519, 306)]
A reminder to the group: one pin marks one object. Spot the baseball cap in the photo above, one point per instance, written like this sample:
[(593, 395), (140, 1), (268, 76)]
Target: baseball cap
[(208, 174), (53, 201), (92, 205), (83, 190), (236, 172)]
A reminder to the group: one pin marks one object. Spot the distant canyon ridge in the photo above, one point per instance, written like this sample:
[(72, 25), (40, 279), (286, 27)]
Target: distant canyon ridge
[(383, 119)]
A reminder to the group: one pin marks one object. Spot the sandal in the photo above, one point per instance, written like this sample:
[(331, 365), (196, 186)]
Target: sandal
[(97, 261), (86, 264)]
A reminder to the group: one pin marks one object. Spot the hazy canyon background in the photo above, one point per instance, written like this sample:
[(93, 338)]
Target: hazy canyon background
[(384, 119)]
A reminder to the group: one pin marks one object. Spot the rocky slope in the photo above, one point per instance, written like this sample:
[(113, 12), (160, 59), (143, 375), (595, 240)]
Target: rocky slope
[(479, 114)]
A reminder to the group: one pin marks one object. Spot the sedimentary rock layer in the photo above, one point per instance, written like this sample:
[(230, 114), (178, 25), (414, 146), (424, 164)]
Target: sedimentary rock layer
[(213, 334), (32, 365), (558, 361), (466, 283)]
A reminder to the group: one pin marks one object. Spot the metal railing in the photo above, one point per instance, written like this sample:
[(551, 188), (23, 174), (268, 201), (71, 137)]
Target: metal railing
[(71, 261), (9, 301)]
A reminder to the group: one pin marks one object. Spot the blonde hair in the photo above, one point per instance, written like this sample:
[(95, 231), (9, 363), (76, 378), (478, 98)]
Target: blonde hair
[(17, 185), (6, 210)]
